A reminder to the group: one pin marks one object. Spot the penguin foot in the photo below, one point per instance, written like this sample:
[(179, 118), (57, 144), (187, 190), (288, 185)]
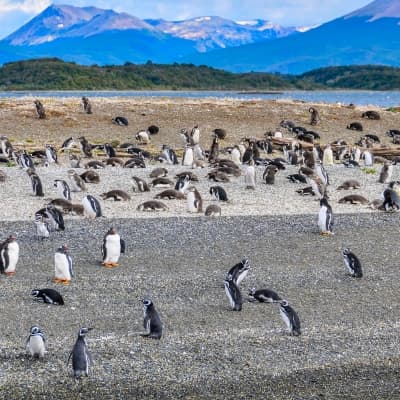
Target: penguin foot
[(326, 233), (114, 265), (58, 280), (65, 282), (10, 273)]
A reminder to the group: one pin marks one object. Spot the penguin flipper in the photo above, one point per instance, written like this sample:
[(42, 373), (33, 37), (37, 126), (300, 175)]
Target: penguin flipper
[(123, 246), (69, 357)]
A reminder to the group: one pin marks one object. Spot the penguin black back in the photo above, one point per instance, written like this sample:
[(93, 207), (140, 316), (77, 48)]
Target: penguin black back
[(151, 321), (290, 318), (233, 293), (352, 263), (49, 296), (81, 358), (239, 271)]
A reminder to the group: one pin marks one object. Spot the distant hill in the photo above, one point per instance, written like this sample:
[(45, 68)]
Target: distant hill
[(55, 74)]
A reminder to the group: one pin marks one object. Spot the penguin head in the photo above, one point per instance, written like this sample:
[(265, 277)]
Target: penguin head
[(284, 303), (35, 292), (323, 201), (245, 263), (147, 302), (112, 231), (346, 251), (252, 291), (35, 330), (83, 331)]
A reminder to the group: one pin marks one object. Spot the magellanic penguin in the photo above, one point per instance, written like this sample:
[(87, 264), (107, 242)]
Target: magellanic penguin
[(325, 217), (63, 189), (182, 184), (263, 296), (77, 183), (81, 358), (48, 296), (239, 271), (112, 248), (194, 200), (36, 342), (290, 318), (37, 187), (386, 173), (63, 266), (233, 292), (352, 263), (218, 193), (91, 206), (391, 199), (51, 154), (85, 146), (170, 155), (9, 255), (42, 227), (151, 320), (140, 185)]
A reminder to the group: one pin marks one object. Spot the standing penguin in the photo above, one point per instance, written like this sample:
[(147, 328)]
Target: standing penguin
[(218, 193), (151, 320), (194, 200), (250, 176), (368, 158), (290, 318), (352, 263), (81, 358), (233, 292), (239, 271), (182, 184), (236, 155), (314, 116), (63, 266), (37, 187), (325, 217), (91, 207), (63, 189), (170, 155), (327, 157), (195, 135), (112, 248), (77, 183), (391, 199), (36, 342), (51, 154), (386, 173), (214, 150), (188, 157), (42, 227), (9, 255)]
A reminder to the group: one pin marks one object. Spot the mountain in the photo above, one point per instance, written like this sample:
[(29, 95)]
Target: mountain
[(366, 36)]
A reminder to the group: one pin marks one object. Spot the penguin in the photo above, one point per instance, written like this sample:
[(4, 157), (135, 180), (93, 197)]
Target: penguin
[(269, 174), (63, 266), (391, 200), (77, 183), (81, 358), (114, 161), (349, 184), (187, 174), (91, 206), (198, 153), (121, 121), (48, 296), (386, 173), (355, 126), (263, 296), (74, 161), (40, 109), (152, 205), (63, 189), (67, 144), (368, 158), (352, 263), (188, 157), (355, 154), (112, 248), (117, 195), (325, 217), (182, 184), (250, 176), (36, 342), (95, 164), (306, 191), (218, 176), (321, 173), (162, 182), (239, 271), (42, 227), (195, 135), (218, 193), (314, 116), (53, 216), (297, 178), (170, 155), (151, 320), (371, 115), (51, 154), (37, 187), (353, 199), (159, 173), (140, 185), (9, 255), (143, 137), (236, 156), (219, 133), (318, 187), (135, 162), (87, 107), (290, 318), (85, 147), (90, 176), (233, 292), (170, 194), (214, 150), (5, 145), (153, 129), (213, 210), (327, 157), (194, 200)]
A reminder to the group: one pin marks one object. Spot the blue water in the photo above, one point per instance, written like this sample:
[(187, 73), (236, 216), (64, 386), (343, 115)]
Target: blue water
[(359, 97)]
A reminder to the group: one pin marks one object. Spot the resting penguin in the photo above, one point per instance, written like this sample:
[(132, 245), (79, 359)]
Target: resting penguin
[(115, 194), (239, 271), (109, 150), (152, 205), (290, 318), (233, 293), (170, 194), (182, 184), (353, 199), (81, 358), (63, 189), (9, 255), (213, 210), (48, 296), (355, 126), (53, 216), (37, 187), (218, 193), (121, 121), (349, 184), (151, 320), (63, 266), (112, 248), (194, 200), (269, 174), (162, 182), (140, 185), (91, 207), (159, 172), (36, 342), (90, 176), (352, 263), (371, 115), (263, 296), (325, 217)]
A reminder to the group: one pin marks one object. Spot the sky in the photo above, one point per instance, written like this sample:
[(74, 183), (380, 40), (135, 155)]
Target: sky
[(15, 13)]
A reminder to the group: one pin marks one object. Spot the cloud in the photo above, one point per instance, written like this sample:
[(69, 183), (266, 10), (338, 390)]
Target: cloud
[(30, 7)]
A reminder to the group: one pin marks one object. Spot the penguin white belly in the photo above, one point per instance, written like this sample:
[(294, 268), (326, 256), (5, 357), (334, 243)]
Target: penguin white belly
[(191, 200), (235, 156), (113, 248), (241, 277), (249, 177), (36, 346), (188, 158), (322, 219), (228, 293), (13, 255), (327, 158), (61, 267), (87, 206), (41, 229), (286, 320)]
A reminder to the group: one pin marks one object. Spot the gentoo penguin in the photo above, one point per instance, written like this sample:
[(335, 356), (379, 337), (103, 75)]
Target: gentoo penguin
[(91, 207), (187, 158), (48, 296), (63, 189), (368, 158), (194, 200), (9, 254), (327, 157), (152, 205), (109, 150), (170, 194), (77, 183), (352, 263), (195, 135), (112, 248), (233, 293), (213, 210), (391, 200), (290, 318), (114, 161), (5, 145), (325, 217), (81, 358), (51, 154), (121, 121), (263, 296), (236, 156), (95, 164), (37, 187), (218, 193), (318, 187), (42, 227), (53, 216), (40, 109), (269, 174), (239, 271), (297, 178), (218, 176), (355, 154), (85, 147), (191, 176), (116, 194), (140, 185), (36, 342), (250, 176), (151, 320), (162, 182), (67, 144), (63, 270), (386, 173)]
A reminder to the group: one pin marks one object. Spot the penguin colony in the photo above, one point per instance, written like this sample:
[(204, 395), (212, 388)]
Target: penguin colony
[(232, 163)]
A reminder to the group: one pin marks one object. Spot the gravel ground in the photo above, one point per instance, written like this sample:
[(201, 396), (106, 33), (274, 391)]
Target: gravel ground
[(349, 346)]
